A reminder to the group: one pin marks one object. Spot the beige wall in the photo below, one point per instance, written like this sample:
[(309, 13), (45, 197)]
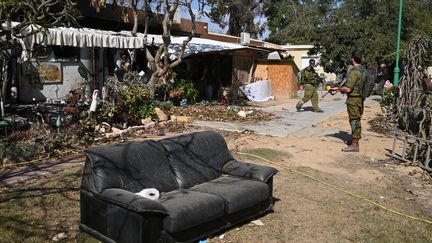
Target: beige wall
[(299, 54)]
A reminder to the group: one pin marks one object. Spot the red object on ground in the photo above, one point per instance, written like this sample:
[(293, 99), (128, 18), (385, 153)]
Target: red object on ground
[(223, 101)]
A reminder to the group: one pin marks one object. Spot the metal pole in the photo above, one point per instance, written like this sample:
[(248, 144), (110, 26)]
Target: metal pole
[(396, 70)]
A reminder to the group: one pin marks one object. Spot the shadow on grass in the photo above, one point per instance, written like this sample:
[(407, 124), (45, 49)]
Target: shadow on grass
[(37, 192), (47, 166), (37, 211)]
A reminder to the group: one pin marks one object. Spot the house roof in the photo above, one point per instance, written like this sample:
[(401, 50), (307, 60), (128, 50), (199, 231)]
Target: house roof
[(235, 39), (297, 47), (86, 37)]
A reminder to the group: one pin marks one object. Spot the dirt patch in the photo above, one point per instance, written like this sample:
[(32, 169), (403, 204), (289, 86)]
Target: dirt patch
[(380, 124), (307, 211)]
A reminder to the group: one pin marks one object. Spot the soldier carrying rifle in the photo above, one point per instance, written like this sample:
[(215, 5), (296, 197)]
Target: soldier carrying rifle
[(310, 81), (355, 100)]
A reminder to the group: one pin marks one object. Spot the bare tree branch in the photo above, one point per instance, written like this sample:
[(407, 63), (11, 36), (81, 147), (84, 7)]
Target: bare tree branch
[(191, 35)]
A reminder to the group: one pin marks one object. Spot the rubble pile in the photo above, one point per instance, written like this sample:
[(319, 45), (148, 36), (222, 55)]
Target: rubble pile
[(44, 142), (125, 110), (220, 113)]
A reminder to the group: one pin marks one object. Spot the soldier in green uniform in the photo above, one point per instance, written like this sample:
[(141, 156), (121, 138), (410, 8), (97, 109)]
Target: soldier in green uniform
[(354, 102), (310, 83)]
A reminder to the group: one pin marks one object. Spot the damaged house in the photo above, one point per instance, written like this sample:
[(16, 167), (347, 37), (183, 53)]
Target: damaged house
[(82, 58)]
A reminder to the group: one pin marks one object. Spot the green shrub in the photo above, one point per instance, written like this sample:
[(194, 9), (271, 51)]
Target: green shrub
[(137, 103), (188, 90)]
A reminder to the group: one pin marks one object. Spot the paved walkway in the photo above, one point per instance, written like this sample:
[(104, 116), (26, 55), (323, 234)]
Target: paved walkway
[(290, 122)]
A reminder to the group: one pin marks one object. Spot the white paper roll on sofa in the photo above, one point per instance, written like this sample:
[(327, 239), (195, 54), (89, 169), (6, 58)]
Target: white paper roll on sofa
[(150, 193)]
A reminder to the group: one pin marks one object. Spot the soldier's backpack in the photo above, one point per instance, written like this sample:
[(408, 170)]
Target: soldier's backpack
[(368, 82)]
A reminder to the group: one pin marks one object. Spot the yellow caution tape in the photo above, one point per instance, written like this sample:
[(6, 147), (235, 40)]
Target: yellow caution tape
[(337, 188)]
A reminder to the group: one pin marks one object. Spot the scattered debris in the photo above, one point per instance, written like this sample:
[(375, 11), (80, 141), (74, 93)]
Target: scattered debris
[(409, 190), (242, 114), (186, 119), (257, 222), (146, 121), (160, 133), (209, 112), (247, 131), (42, 142), (382, 125), (60, 237), (221, 237), (161, 115)]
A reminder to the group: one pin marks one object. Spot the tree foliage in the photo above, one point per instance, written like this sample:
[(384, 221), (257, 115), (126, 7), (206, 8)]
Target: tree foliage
[(238, 15), (336, 28), (41, 14), (159, 61), (295, 21)]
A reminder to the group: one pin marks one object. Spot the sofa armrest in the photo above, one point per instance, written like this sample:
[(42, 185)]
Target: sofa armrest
[(248, 170), (131, 201)]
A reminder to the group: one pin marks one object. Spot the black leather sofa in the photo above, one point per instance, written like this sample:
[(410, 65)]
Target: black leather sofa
[(204, 190)]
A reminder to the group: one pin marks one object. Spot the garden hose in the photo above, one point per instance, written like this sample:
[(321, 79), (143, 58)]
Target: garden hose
[(337, 188)]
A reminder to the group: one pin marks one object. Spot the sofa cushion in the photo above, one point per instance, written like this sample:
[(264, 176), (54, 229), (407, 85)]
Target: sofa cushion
[(237, 193), (197, 157), (189, 208), (131, 166)]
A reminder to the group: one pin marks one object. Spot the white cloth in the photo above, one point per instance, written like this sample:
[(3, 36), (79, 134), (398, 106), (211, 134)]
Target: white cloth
[(259, 91)]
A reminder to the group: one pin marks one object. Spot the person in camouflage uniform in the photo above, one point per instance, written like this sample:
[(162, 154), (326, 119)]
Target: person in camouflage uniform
[(310, 83), (354, 102)]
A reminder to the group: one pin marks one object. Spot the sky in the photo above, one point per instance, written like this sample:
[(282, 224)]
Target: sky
[(212, 27)]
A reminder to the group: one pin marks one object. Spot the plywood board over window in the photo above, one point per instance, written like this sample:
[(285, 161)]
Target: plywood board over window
[(282, 75), (283, 79)]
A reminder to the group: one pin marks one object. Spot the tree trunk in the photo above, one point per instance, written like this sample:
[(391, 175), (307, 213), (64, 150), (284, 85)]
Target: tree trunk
[(152, 83), (5, 77), (135, 25)]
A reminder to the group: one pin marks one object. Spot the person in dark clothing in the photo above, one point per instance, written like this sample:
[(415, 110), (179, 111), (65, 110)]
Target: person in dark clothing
[(382, 77)]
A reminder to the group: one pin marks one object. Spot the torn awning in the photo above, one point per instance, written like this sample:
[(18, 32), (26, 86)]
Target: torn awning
[(86, 37)]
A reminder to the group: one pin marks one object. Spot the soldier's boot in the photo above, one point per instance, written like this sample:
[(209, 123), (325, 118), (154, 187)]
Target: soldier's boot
[(299, 105), (353, 147)]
